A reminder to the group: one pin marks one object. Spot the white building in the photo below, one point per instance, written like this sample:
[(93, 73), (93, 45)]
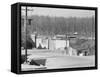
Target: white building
[(57, 44), (54, 44)]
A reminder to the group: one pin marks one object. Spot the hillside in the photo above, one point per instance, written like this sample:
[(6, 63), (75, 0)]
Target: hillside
[(60, 25)]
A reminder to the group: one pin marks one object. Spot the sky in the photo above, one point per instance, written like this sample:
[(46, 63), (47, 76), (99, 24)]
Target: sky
[(58, 12)]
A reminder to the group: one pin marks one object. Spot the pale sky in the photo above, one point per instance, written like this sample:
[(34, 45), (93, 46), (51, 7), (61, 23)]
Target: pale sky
[(59, 12)]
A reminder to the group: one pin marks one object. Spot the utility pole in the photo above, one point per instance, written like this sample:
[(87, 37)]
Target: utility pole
[(48, 42), (66, 43), (25, 30)]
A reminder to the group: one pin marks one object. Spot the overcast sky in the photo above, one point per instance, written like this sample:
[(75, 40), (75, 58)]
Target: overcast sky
[(42, 11)]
